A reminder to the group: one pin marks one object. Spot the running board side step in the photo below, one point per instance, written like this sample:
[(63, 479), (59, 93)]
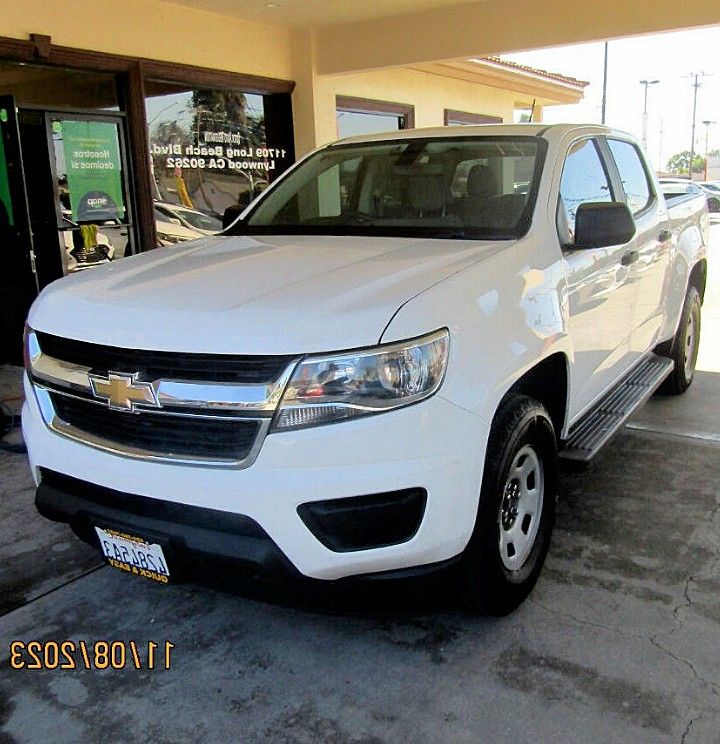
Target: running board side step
[(598, 426)]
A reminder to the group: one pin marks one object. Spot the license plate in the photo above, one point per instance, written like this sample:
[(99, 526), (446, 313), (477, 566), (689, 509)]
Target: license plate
[(134, 555)]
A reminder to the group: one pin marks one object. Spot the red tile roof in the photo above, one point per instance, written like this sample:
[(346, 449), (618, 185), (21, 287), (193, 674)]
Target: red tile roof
[(535, 71)]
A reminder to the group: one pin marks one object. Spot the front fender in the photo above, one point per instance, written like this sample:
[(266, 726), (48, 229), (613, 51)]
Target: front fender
[(503, 320)]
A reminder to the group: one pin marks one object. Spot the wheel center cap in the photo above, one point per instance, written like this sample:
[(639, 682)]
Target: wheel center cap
[(511, 500)]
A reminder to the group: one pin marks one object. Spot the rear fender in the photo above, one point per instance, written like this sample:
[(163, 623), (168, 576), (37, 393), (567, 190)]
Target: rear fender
[(688, 265)]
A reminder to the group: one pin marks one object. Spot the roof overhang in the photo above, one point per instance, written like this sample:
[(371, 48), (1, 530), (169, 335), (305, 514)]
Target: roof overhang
[(351, 36), (546, 88)]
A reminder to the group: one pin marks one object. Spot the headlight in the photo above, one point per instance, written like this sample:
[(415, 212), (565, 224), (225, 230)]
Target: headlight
[(26, 349), (31, 349), (330, 388)]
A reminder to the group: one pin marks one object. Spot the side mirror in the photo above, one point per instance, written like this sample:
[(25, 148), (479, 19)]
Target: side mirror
[(599, 224), (713, 205), (231, 214)]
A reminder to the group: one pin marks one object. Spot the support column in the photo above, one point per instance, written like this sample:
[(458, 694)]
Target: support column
[(313, 99)]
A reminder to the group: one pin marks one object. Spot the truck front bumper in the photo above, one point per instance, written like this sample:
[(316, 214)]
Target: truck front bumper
[(425, 459), (197, 542)]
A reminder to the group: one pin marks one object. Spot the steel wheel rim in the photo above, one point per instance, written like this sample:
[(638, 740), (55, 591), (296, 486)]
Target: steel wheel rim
[(690, 343), (521, 508)]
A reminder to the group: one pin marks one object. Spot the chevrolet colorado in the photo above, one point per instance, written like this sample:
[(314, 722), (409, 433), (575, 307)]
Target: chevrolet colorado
[(375, 369)]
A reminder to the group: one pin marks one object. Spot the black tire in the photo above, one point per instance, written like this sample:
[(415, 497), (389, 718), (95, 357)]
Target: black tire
[(681, 352), (489, 586)]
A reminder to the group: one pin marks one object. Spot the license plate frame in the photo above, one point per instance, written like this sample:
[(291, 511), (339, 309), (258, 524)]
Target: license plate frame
[(133, 554)]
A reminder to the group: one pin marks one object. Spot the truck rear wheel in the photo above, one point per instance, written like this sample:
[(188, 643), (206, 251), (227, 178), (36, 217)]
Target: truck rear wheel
[(516, 512), (684, 348)]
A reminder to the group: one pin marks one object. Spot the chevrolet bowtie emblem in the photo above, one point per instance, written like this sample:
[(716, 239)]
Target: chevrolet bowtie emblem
[(122, 391)]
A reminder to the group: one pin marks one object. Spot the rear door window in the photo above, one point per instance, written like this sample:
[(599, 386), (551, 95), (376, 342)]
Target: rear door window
[(634, 177)]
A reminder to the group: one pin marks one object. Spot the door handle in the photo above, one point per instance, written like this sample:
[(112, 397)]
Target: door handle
[(664, 236), (629, 258)]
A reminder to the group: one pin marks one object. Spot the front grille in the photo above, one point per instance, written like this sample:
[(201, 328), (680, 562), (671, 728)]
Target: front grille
[(167, 435), (157, 365)]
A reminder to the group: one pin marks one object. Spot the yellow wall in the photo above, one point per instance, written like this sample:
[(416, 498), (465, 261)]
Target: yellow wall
[(154, 30), (163, 31), (429, 94)]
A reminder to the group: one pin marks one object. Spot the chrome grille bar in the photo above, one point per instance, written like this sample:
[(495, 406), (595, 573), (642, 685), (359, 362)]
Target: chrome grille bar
[(252, 398), (179, 404), (68, 430)]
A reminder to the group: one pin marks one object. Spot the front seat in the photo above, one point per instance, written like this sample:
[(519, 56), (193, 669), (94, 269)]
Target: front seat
[(483, 187), (427, 195)]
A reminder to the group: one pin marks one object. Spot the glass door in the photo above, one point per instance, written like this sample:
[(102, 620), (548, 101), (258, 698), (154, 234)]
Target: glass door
[(90, 178)]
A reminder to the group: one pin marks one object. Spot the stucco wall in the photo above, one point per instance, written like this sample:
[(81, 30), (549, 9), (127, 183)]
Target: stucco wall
[(163, 31), (429, 94), (155, 30)]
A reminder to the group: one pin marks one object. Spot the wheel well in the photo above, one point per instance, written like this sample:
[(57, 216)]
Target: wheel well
[(547, 382), (698, 277)]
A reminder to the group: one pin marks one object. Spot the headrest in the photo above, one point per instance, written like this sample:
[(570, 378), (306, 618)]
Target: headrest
[(427, 192), (482, 182)]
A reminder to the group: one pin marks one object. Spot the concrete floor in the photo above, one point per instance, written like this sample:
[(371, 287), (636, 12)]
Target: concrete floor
[(620, 640)]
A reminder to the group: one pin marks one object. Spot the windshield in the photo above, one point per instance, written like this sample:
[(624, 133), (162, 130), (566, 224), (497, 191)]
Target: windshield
[(453, 187)]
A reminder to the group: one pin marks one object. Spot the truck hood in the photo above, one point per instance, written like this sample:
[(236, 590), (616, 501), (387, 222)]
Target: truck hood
[(252, 295)]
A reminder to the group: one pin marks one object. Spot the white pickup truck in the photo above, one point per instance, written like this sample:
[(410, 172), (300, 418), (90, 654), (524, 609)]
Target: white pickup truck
[(374, 371)]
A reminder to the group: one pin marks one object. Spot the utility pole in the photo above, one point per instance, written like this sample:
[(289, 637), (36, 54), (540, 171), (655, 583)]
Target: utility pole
[(647, 84), (696, 84), (604, 95), (660, 160), (707, 124)]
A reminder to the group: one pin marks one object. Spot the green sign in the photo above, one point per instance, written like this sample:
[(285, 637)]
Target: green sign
[(6, 212), (92, 163)]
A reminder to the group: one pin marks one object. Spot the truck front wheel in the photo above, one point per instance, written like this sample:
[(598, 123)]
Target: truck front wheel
[(516, 512), (684, 348)]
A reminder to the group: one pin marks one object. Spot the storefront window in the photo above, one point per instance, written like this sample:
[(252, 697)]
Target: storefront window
[(365, 116), (467, 119), (209, 151), (350, 123)]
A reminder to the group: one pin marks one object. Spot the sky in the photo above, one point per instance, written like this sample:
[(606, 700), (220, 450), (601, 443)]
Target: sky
[(669, 58)]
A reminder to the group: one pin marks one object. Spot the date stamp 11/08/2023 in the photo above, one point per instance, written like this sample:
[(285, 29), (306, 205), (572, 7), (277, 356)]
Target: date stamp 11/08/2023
[(89, 655)]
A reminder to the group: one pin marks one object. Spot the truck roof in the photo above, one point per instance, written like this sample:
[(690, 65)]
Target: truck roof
[(548, 131)]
